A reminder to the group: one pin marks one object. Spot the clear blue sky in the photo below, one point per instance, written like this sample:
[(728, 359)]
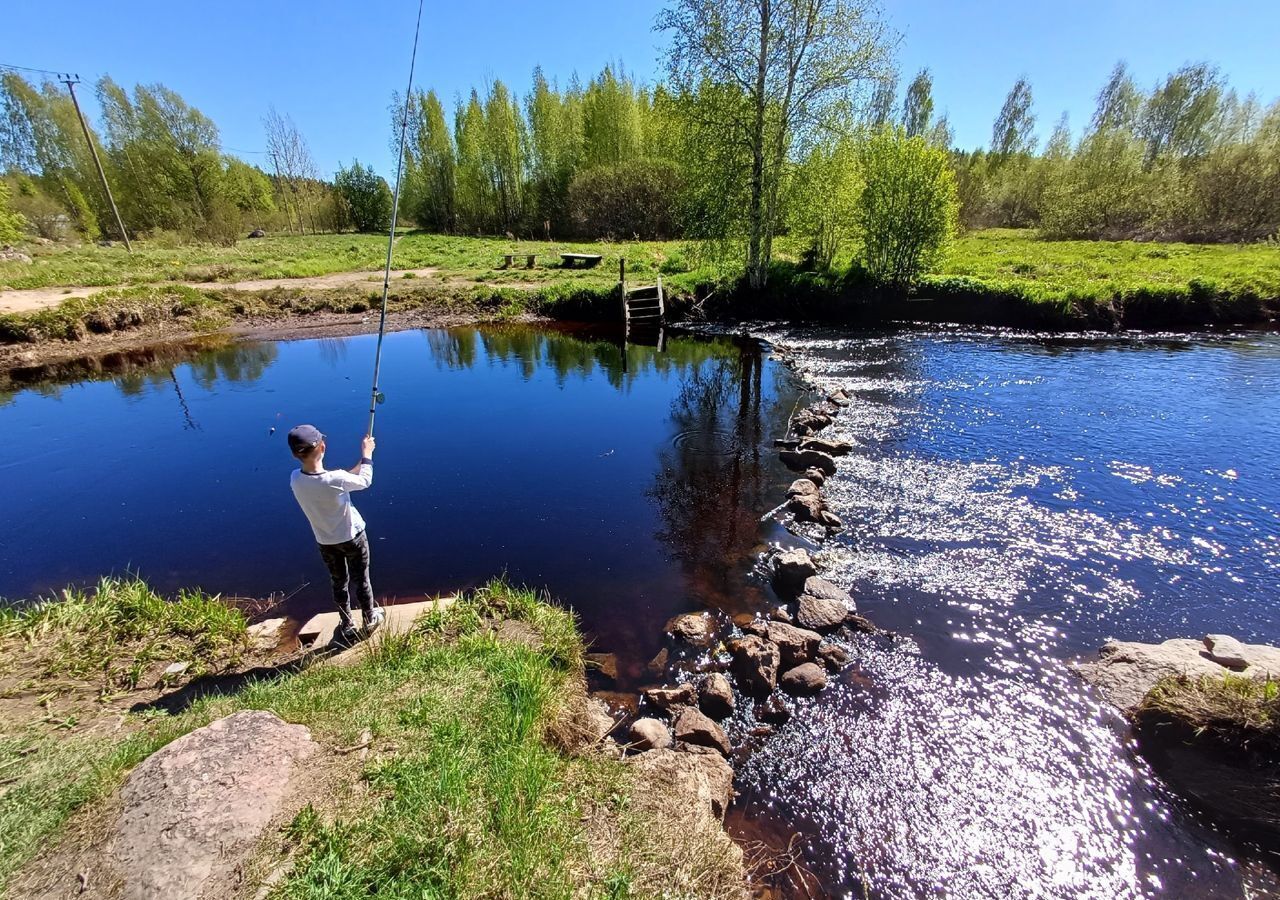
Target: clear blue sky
[(332, 64)]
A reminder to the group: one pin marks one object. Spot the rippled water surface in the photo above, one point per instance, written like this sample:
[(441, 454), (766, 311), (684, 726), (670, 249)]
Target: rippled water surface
[(1015, 502)]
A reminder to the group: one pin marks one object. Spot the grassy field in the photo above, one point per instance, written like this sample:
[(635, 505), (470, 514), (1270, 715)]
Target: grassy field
[(1095, 280), (302, 256), (472, 787)]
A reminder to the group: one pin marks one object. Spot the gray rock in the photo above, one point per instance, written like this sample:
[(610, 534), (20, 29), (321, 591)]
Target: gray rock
[(819, 613), (806, 678), (790, 570), (715, 696), (649, 734), (820, 587), (1226, 651), (840, 398), (795, 645), (692, 727), (705, 779), (755, 663), (193, 811), (817, 476), (670, 697), (257, 233), (12, 254), (827, 446), (1125, 671), (692, 628), (802, 487), (598, 720), (799, 460)]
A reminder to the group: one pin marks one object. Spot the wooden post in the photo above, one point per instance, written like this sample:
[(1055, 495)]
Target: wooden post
[(622, 288), (71, 89)]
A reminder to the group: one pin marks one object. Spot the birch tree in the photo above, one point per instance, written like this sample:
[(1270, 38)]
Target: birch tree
[(778, 69)]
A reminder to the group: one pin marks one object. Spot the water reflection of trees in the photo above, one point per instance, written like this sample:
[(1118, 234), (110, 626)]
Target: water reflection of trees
[(713, 482), (567, 355), (136, 371)]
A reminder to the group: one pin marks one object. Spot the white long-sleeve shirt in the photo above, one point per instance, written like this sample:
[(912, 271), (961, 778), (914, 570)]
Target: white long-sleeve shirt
[(326, 499)]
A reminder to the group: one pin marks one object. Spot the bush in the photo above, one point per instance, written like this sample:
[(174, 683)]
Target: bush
[(635, 199), (363, 197), (11, 223), (907, 209)]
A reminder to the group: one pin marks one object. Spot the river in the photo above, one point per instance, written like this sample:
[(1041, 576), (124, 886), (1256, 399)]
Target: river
[(1014, 500)]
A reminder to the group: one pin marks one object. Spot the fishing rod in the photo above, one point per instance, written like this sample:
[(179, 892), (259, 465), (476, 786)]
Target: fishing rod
[(376, 396)]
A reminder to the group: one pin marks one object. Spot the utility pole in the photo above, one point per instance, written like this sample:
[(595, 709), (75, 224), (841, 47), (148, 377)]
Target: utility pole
[(71, 81)]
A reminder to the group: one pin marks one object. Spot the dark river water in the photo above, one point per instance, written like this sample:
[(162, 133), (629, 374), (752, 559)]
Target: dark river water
[(1013, 502)]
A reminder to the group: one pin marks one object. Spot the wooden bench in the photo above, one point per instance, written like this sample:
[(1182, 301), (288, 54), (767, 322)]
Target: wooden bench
[(587, 259), (512, 257)]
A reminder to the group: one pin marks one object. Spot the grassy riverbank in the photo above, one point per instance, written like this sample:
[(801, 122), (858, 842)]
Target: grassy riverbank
[(997, 277), (1234, 711), (476, 784)]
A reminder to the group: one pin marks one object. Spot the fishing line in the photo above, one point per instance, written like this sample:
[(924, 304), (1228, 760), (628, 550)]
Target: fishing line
[(376, 395)]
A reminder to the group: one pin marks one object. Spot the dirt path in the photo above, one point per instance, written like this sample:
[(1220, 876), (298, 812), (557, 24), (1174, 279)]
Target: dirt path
[(41, 298)]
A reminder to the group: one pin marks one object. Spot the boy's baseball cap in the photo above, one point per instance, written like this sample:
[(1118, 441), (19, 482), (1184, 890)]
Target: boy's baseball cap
[(304, 437)]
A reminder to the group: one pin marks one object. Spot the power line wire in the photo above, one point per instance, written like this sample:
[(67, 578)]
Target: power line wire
[(58, 75)]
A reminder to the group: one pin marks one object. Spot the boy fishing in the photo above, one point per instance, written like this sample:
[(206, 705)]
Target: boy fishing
[(325, 497)]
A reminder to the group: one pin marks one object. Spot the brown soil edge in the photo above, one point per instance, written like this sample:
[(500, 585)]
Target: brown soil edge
[(23, 363)]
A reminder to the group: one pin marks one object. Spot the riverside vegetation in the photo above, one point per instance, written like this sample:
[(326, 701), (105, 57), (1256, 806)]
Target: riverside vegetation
[(739, 149), (477, 786)]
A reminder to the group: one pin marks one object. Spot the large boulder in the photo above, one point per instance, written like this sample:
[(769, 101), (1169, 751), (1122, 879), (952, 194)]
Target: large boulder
[(799, 460), (705, 779), (802, 487), (795, 645), (693, 727), (820, 587), (715, 696), (755, 663), (194, 811), (1125, 671), (790, 570), (806, 678), (692, 628), (649, 734)]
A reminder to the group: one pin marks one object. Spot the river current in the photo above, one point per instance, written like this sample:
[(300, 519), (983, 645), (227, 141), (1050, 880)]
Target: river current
[(1013, 501)]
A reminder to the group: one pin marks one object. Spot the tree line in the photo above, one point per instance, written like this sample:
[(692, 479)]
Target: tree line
[(774, 118)]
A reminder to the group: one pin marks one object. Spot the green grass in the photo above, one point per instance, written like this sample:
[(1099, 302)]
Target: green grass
[(1236, 710), (299, 256), (469, 794), (1016, 263), (120, 629)]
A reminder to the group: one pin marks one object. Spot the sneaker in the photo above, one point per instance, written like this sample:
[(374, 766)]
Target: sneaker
[(345, 636), (375, 619)]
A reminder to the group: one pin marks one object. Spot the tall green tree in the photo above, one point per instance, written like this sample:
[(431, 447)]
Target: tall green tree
[(917, 105), (1176, 118), (1119, 102), (555, 152), (429, 191), (612, 122), (475, 201), (778, 69), (504, 154), (1014, 129)]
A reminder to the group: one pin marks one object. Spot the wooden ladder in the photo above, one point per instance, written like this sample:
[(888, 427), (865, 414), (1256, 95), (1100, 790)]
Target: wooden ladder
[(643, 306)]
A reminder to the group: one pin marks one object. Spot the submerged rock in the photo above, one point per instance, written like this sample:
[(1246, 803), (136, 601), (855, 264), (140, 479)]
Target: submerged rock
[(692, 727), (649, 734), (715, 696), (194, 811), (774, 710), (692, 628), (806, 678), (833, 656)]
